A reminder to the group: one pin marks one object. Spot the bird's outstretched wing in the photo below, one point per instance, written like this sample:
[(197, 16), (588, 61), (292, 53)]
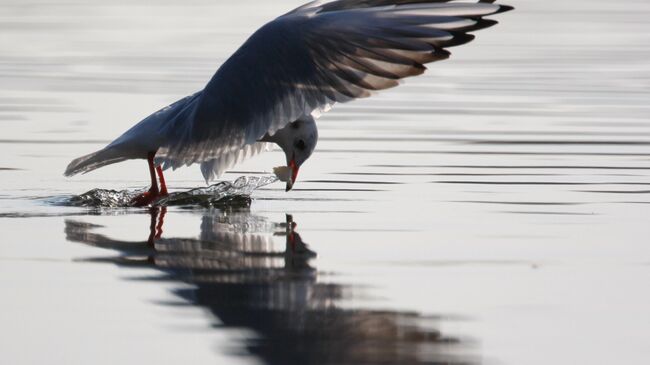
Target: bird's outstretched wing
[(313, 57)]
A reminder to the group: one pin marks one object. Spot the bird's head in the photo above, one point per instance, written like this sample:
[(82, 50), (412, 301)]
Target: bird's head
[(298, 140)]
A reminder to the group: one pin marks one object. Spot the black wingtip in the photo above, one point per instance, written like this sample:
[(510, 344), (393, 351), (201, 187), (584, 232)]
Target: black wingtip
[(440, 54), (457, 40), (480, 25), (504, 8)]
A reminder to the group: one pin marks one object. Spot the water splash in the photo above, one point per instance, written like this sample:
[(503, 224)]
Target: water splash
[(222, 194)]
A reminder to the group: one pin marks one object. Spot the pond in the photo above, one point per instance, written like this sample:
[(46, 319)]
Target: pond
[(494, 210)]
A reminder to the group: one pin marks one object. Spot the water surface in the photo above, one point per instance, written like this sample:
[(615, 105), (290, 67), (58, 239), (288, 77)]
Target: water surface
[(494, 210)]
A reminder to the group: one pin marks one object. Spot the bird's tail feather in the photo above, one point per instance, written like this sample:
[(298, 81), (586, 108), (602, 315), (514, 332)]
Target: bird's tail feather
[(93, 161)]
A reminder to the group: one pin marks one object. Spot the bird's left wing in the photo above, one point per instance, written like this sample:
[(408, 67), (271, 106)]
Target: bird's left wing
[(313, 57)]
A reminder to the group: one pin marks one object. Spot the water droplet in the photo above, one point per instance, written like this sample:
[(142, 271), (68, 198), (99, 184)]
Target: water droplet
[(221, 194)]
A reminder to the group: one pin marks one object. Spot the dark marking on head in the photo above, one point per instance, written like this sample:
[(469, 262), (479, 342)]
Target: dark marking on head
[(300, 144)]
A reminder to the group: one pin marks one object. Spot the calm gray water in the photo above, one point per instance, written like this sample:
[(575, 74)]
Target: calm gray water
[(494, 211)]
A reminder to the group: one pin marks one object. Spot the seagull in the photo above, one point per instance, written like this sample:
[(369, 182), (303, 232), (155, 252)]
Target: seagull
[(288, 72)]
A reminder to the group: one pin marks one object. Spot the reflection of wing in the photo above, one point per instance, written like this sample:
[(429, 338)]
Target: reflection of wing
[(312, 58), (236, 277)]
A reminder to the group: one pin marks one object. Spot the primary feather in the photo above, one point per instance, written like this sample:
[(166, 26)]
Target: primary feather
[(298, 64)]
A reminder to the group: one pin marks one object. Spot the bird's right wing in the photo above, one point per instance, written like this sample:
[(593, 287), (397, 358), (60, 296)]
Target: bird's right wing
[(313, 57), (217, 166)]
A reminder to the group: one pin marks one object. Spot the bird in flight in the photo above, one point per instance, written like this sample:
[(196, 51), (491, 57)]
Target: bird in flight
[(288, 71)]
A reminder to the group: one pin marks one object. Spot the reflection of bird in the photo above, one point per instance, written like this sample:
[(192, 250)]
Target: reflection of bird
[(298, 64), (243, 280)]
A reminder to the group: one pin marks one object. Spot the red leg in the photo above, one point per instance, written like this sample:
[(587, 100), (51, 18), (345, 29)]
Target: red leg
[(161, 177), (154, 183), (149, 197)]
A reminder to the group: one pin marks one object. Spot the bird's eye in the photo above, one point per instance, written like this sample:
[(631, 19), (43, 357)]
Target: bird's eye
[(300, 144)]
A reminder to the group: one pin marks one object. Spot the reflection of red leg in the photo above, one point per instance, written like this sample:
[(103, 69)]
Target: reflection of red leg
[(291, 240), (291, 235), (152, 227), (156, 230), (147, 198), (161, 222), (161, 177)]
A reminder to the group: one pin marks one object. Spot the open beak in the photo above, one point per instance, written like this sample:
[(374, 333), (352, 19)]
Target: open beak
[(294, 173)]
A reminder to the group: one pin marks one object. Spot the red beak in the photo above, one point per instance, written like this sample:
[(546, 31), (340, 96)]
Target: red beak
[(294, 173)]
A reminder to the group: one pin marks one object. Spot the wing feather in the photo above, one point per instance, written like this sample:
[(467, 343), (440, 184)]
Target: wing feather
[(311, 58), (215, 167)]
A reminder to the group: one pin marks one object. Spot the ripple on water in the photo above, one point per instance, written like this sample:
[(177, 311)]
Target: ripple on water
[(224, 193)]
